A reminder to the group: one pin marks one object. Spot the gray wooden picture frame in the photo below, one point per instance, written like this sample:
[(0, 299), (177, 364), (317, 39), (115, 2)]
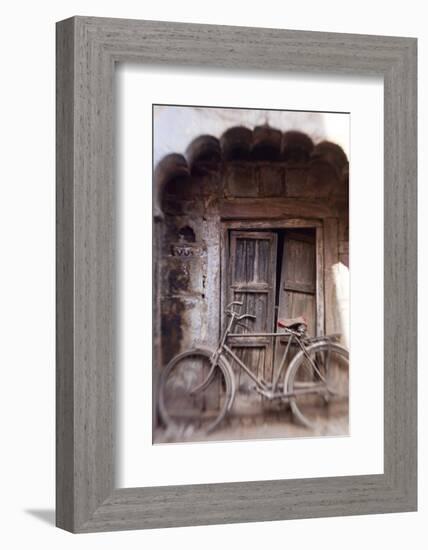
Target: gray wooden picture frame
[(87, 50)]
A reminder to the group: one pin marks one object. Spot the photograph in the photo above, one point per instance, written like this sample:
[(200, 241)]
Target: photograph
[(251, 274)]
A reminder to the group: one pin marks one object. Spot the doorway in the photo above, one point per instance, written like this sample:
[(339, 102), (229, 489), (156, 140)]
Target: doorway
[(273, 271)]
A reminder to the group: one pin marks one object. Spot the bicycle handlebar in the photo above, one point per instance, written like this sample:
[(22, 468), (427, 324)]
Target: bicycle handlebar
[(230, 311), (234, 304), (246, 316)]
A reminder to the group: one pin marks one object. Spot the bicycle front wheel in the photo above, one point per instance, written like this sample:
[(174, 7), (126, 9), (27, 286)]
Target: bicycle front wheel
[(317, 385), (194, 396)]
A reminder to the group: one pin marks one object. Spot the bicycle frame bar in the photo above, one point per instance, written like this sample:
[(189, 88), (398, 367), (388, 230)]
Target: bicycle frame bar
[(242, 365), (223, 347), (282, 364)]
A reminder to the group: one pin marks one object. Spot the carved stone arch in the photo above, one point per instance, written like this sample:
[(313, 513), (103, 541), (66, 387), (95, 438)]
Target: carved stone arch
[(209, 163)]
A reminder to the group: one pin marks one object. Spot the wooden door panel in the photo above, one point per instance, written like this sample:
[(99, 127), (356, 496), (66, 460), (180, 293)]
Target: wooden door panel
[(299, 265), (297, 292), (254, 303), (266, 261), (245, 253), (252, 280), (299, 303), (252, 258)]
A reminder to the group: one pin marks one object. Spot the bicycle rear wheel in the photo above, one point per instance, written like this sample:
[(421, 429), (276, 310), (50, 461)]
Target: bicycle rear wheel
[(318, 387), (194, 397)]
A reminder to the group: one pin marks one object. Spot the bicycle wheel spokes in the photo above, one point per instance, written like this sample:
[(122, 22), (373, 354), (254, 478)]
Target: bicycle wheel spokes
[(187, 403), (319, 384)]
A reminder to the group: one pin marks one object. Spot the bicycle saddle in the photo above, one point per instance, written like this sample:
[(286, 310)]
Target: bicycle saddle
[(290, 323)]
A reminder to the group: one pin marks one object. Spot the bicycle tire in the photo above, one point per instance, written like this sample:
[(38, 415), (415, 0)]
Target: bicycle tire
[(185, 413), (325, 401)]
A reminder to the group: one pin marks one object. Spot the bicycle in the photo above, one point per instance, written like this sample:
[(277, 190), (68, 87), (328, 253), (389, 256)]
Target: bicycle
[(197, 388)]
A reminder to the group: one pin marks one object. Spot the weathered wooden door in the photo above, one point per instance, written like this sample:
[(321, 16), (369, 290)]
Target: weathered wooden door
[(252, 280), (297, 291)]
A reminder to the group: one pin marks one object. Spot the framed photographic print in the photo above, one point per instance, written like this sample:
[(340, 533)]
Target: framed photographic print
[(236, 274), (233, 256)]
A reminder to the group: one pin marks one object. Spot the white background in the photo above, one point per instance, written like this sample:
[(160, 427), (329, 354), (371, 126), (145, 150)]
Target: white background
[(27, 273), (362, 452)]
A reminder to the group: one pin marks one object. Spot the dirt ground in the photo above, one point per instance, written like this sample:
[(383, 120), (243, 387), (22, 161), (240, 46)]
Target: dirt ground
[(275, 425)]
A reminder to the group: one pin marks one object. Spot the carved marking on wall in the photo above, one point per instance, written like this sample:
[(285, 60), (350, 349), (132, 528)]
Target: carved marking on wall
[(188, 250)]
